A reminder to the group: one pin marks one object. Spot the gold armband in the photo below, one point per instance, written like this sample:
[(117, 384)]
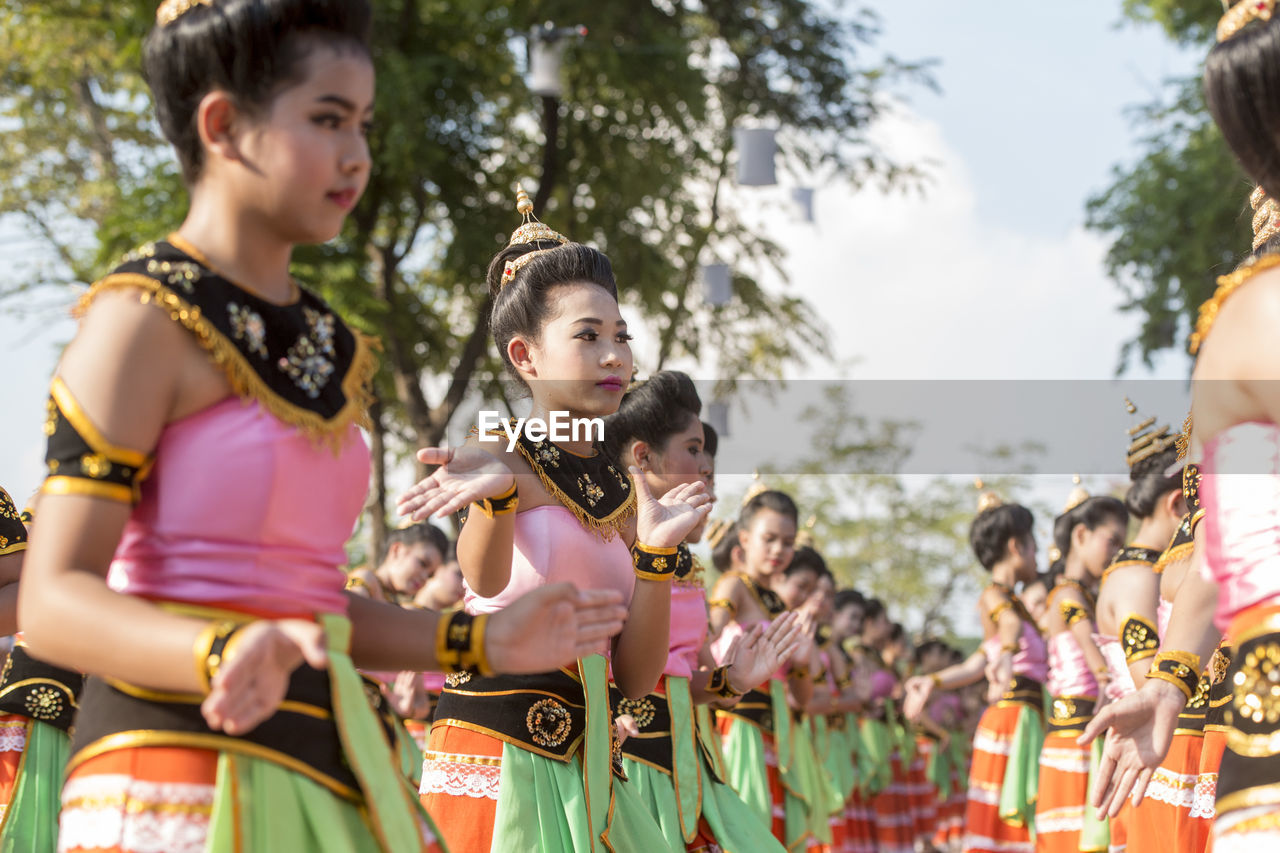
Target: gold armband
[(1072, 612), (723, 603), (209, 650), (820, 676), (652, 563), (1138, 638), (503, 504), (998, 610), (1181, 669), (460, 643), (719, 684)]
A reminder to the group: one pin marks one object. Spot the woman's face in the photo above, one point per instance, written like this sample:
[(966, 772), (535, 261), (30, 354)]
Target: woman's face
[(796, 588), (1098, 546), (678, 461), (582, 358), (768, 543), (1035, 597), (875, 629)]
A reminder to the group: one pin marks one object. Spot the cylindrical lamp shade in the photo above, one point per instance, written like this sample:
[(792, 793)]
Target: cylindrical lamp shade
[(756, 147), (803, 198), (718, 417), (717, 284), (544, 67)]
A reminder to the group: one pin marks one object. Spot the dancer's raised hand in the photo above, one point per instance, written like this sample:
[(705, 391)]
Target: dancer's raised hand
[(466, 474), (665, 522)]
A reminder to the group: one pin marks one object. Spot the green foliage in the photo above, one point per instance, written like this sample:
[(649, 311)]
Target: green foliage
[(1179, 216)]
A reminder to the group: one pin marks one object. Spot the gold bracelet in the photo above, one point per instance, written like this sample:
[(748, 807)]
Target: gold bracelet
[(651, 563), (799, 672), (719, 684), (503, 504), (209, 649), (937, 681), (1178, 668), (1011, 648), (460, 643)]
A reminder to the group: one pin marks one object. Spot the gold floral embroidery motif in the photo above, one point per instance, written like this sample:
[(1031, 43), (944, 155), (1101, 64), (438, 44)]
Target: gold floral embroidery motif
[(640, 710), (95, 465), (308, 369), (548, 454), (590, 490), (321, 326), (659, 564), (548, 723), (247, 325), (146, 250), (180, 274), (1218, 665), (50, 417), (1063, 709), (7, 507), (1139, 639), (455, 679), (44, 703), (1257, 684)]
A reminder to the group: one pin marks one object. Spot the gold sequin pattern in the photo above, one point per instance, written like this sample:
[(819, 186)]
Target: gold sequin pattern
[(548, 723)]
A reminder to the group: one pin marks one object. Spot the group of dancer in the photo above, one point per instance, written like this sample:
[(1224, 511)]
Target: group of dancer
[(194, 671)]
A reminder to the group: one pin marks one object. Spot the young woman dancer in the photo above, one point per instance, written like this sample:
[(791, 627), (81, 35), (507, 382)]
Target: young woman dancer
[(1006, 747), (224, 706), (525, 763), (1128, 600), (1087, 537), (657, 430)]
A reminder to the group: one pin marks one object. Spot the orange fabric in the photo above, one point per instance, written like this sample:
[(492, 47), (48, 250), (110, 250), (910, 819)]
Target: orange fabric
[(985, 832), (860, 827), (894, 824), (1163, 820), (1251, 618), (922, 794), (1064, 791), (465, 823), (11, 760), (1201, 833)]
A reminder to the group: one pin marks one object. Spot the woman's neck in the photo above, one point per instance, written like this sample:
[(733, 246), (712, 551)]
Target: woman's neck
[(1076, 571), (1149, 534), (252, 256), (1005, 573)]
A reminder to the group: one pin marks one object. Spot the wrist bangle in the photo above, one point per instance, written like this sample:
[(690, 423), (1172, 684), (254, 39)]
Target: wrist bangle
[(503, 504), (937, 680), (209, 649), (1181, 669), (460, 645), (800, 672), (719, 684), (653, 563), (1011, 648)]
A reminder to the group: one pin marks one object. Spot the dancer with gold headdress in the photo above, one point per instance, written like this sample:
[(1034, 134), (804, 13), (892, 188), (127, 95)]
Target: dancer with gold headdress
[(1087, 536), (526, 763), (1128, 611), (1007, 744)]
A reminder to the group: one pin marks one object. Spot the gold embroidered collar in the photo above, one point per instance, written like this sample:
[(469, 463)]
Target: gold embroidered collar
[(593, 488)]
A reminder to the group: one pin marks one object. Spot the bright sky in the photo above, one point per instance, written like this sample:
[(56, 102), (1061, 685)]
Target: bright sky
[(990, 276)]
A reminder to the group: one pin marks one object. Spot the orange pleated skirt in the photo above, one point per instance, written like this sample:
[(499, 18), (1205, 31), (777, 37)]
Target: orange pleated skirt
[(985, 832)]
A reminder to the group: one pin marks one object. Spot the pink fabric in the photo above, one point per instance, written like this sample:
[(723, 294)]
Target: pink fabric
[(551, 546), (433, 682), (688, 629), (242, 509), (882, 684), (1240, 491), (1164, 609), (1121, 683), (1069, 673), (1032, 657)]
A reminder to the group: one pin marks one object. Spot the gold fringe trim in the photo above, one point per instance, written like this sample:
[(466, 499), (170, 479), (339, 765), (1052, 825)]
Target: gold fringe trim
[(244, 380), (604, 528), (1174, 555), (1227, 285)]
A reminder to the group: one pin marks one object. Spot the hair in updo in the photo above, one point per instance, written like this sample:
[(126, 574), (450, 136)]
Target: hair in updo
[(251, 49), (991, 531), (1149, 483), (523, 305), (1242, 88), (652, 412), (806, 559), (1090, 512), (772, 499)]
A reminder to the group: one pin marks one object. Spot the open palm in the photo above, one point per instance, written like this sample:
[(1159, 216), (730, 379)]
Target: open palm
[(665, 522), (761, 652), (466, 474)]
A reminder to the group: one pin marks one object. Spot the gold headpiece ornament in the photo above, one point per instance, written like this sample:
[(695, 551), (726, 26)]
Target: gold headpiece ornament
[(805, 536), (1183, 441), (757, 488), (1079, 494), (1266, 217), (171, 10), (717, 529), (530, 231), (987, 499), (1241, 14), (1146, 439)]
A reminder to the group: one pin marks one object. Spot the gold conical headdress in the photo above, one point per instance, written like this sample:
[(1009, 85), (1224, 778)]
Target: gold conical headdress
[(1146, 439), (757, 488), (530, 231), (987, 499), (171, 10), (717, 529), (1239, 16), (1079, 494), (1183, 441), (805, 536)]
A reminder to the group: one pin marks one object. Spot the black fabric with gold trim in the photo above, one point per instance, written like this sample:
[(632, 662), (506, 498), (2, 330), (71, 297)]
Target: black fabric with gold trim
[(81, 461), (1250, 774), (593, 488), (652, 717), (768, 600), (1073, 611), (1191, 493), (1219, 686), (1068, 714), (378, 700), (299, 360), (685, 563), (13, 533), (1132, 555), (544, 713), (1012, 601), (756, 707), (1025, 690), (1194, 714), (302, 735), (39, 690), (1138, 638)]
